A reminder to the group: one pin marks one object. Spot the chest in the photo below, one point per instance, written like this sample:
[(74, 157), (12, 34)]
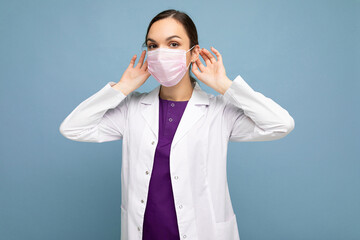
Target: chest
[(197, 131)]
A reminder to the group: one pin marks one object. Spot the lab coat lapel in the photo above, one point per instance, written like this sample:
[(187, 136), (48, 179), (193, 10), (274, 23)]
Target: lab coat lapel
[(150, 110), (193, 112)]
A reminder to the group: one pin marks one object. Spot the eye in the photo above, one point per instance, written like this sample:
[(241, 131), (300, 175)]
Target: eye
[(174, 43), (149, 46)]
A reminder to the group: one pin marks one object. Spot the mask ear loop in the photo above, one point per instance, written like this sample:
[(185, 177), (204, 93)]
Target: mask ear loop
[(188, 65), (191, 61), (191, 48)]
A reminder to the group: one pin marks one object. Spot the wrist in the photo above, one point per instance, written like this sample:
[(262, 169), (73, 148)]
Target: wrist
[(121, 87), (224, 85)]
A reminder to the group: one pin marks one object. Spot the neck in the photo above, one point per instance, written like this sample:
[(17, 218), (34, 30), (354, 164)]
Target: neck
[(180, 92)]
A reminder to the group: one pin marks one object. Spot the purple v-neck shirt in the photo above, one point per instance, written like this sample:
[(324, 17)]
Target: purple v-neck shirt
[(160, 220)]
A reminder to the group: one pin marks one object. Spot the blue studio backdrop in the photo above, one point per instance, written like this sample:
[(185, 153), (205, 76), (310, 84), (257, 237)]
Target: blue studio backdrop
[(302, 54)]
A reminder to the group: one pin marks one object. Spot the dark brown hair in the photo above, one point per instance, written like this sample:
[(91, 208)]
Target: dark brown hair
[(186, 21)]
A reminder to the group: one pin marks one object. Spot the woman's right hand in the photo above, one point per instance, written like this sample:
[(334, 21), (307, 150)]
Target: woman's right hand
[(133, 77)]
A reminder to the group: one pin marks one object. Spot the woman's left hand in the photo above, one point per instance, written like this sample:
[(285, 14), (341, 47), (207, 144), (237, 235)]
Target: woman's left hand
[(213, 74)]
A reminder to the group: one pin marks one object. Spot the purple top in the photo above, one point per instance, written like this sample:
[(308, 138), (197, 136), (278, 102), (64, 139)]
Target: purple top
[(160, 220)]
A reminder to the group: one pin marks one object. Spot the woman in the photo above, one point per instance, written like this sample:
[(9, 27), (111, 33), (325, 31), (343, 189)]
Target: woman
[(173, 175)]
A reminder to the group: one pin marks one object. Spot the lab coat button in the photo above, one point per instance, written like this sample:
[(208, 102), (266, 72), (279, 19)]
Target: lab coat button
[(180, 206), (184, 236), (147, 172), (142, 201), (170, 119), (153, 142), (176, 177), (138, 228)]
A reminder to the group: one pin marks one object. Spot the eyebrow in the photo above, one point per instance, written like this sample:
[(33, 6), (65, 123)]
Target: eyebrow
[(167, 39)]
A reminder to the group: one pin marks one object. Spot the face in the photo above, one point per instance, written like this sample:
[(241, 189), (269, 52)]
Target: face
[(168, 33)]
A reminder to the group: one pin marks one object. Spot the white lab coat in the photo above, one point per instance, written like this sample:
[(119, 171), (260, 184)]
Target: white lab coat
[(198, 152)]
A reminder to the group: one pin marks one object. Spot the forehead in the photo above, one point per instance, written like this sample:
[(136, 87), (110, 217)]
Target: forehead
[(164, 28)]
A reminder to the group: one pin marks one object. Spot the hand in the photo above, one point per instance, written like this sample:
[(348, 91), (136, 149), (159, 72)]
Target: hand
[(134, 77), (213, 74)]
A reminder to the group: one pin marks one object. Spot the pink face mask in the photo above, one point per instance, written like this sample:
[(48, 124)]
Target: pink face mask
[(167, 66)]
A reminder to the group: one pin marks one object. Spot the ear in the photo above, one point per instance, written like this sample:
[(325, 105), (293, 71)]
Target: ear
[(196, 53)]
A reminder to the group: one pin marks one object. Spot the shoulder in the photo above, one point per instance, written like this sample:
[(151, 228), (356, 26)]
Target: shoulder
[(221, 106), (217, 104), (135, 96), (217, 101)]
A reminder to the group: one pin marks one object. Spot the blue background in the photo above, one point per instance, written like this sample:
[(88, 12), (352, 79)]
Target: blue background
[(302, 54)]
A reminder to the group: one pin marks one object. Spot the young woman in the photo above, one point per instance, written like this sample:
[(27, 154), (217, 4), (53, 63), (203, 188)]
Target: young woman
[(175, 137)]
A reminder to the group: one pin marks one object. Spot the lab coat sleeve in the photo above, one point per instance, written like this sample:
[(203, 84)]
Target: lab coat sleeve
[(99, 118), (251, 116)]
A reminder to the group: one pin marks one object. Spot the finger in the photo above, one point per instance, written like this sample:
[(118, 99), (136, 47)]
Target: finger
[(144, 66), (195, 68), (200, 65), (218, 55), (196, 71), (132, 61), (205, 57), (210, 56), (140, 63)]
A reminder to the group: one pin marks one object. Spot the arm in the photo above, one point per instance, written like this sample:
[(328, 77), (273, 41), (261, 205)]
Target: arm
[(251, 116), (100, 118)]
